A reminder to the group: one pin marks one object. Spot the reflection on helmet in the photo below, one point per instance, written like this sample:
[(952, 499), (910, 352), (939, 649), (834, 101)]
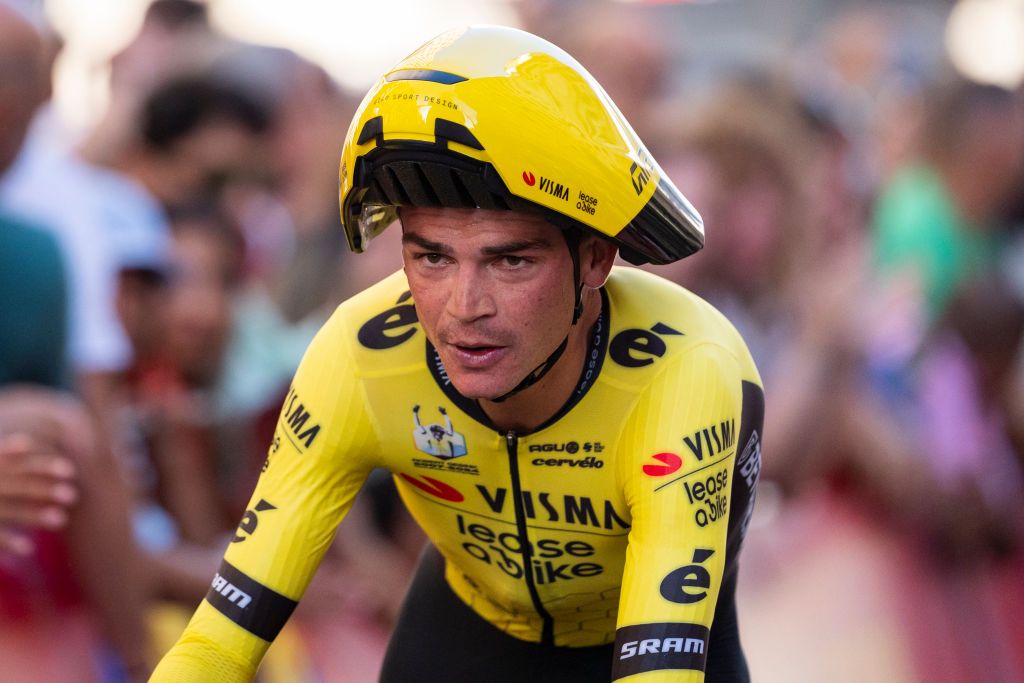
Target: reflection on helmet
[(497, 118)]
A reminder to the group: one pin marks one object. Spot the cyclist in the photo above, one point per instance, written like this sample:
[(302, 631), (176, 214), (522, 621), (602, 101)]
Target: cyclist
[(609, 421)]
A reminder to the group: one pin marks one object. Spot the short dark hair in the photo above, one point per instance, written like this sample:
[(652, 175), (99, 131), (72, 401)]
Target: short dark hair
[(182, 105)]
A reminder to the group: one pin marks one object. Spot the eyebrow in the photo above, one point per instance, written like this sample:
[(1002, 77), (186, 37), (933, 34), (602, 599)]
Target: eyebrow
[(494, 250), (426, 244), (512, 247)]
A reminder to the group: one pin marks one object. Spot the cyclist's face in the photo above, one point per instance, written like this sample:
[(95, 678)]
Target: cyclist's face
[(493, 291)]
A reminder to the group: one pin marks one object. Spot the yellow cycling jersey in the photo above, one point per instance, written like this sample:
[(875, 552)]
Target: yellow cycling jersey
[(617, 520)]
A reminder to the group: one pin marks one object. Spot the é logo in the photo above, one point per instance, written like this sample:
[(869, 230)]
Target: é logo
[(635, 348), (675, 587), (376, 333), (250, 520)]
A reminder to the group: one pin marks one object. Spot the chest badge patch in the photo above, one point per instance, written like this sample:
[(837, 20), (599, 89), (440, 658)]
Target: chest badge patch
[(438, 440)]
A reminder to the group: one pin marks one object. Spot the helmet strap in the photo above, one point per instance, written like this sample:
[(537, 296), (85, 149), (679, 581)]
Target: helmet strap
[(572, 240)]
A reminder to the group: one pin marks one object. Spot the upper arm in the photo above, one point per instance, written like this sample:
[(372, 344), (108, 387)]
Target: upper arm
[(678, 467), (322, 451)]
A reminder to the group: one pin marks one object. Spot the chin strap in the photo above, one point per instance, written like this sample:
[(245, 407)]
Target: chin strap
[(572, 240)]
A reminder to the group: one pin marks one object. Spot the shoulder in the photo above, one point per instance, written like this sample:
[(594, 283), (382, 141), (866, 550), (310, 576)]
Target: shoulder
[(654, 321), (379, 321)]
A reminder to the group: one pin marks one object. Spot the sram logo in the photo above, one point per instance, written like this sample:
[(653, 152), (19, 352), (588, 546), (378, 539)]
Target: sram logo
[(634, 348), (233, 593), (660, 647), (653, 646)]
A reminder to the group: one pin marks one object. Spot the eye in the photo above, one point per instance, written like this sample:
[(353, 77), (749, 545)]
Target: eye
[(432, 258), (512, 261)]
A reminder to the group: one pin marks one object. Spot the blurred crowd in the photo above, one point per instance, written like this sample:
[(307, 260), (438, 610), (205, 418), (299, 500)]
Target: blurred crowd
[(161, 276)]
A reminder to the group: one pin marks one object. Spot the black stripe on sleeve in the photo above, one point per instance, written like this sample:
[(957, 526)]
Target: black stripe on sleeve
[(653, 647), (256, 608)]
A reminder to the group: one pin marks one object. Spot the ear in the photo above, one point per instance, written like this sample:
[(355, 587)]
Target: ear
[(596, 258)]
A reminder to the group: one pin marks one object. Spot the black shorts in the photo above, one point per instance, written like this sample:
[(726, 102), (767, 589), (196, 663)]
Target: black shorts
[(440, 639)]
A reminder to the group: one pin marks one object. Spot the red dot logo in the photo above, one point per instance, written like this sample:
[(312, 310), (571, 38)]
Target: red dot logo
[(529, 179), (435, 488), (670, 463)]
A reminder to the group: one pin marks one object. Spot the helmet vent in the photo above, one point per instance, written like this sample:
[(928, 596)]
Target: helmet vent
[(455, 132), (374, 128), (460, 189), (389, 185), (428, 188)]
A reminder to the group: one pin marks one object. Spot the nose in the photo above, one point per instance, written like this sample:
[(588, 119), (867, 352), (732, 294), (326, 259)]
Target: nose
[(470, 297)]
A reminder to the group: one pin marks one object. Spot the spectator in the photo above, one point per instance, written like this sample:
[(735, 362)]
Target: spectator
[(45, 431), (935, 221), (174, 34)]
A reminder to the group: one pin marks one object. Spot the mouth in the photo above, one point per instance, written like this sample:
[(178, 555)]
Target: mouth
[(476, 355)]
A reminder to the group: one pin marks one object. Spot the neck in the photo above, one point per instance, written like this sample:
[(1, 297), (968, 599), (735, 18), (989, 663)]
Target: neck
[(532, 407)]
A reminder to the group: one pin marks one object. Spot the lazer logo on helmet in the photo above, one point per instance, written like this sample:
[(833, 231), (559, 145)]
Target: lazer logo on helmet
[(640, 172)]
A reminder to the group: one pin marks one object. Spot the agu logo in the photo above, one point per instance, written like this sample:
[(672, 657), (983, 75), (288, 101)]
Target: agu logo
[(670, 462)]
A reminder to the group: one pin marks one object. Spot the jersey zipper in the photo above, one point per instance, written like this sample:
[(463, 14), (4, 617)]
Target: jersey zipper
[(547, 636)]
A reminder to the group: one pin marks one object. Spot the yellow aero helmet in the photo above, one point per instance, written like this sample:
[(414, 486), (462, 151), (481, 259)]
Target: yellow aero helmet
[(497, 118)]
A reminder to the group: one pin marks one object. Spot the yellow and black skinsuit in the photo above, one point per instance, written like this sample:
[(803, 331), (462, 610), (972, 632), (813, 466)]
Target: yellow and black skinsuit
[(618, 520)]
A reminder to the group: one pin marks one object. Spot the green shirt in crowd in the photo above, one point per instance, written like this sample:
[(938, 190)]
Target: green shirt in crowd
[(33, 307), (918, 227)]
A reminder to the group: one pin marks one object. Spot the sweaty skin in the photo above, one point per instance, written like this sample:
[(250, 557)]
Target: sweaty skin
[(494, 294)]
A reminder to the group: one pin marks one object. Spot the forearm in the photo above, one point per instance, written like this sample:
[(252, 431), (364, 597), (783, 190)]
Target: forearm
[(212, 649)]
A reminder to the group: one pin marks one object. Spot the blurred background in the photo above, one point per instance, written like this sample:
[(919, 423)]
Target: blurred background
[(169, 243)]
